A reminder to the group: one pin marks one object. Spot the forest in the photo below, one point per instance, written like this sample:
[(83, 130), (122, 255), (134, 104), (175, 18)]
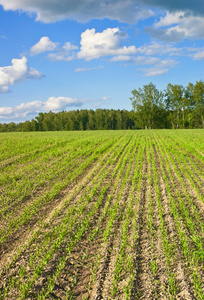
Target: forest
[(176, 107)]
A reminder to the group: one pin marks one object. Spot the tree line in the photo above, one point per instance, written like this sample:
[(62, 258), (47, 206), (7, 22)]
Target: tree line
[(100, 119), (175, 107)]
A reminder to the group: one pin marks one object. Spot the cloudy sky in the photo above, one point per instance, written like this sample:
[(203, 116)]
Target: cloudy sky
[(75, 54)]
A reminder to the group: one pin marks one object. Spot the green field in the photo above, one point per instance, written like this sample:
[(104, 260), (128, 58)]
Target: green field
[(102, 215)]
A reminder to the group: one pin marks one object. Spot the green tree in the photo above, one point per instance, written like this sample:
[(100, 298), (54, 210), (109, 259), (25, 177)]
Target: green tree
[(11, 127), (26, 126), (39, 120), (100, 120), (91, 120), (146, 102), (198, 95), (188, 107), (83, 119), (174, 102), (48, 122)]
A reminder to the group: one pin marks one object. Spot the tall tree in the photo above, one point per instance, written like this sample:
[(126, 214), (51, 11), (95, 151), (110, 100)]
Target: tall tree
[(91, 120), (146, 102), (39, 120), (174, 97), (198, 95), (188, 106)]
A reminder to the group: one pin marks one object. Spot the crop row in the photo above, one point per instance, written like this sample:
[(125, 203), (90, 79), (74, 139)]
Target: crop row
[(107, 215)]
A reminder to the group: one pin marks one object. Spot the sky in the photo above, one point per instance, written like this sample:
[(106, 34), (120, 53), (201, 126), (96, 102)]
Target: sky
[(60, 55)]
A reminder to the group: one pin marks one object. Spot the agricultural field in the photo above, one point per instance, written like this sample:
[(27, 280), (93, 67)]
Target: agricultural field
[(102, 215)]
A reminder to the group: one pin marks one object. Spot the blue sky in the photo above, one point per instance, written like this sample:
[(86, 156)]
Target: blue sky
[(87, 54)]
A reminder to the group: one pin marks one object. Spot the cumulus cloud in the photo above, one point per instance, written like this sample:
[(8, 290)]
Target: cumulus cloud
[(129, 11), (110, 43), (20, 111), (69, 47), (54, 104), (93, 45), (106, 43), (65, 53), (60, 103), (57, 53), (44, 45), (17, 72), (177, 26), (170, 18)]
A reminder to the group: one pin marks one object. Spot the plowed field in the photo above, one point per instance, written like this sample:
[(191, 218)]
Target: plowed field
[(102, 215)]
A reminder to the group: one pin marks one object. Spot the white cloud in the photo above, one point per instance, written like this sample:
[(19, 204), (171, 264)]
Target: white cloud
[(190, 27), (5, 111), (170, 18), (126, 58), (54, 104), (60, 103), (158, 66), (65, 53), (68, 47), (160, 49), (106, 43), (138, 60), (155, 55), (20, 111), (177, 26), (17, 72), (129, 11), (44, 45), (152, 49), (28, 107), (162, 67), (60, 56), (94, 45), (156, 71), (61, 53), (110, 43), (198, 55), (88, 69)]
